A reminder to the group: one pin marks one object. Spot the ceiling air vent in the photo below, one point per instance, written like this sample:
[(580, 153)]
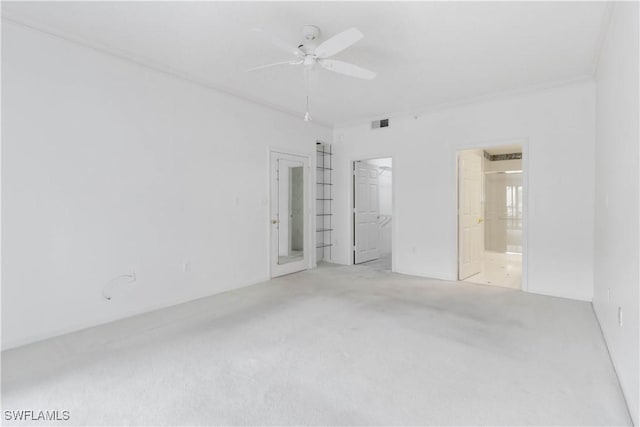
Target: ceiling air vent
[(384, 123)]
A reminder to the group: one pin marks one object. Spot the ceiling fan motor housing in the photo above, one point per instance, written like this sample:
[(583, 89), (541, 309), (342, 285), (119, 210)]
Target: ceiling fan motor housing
[(310, 32)]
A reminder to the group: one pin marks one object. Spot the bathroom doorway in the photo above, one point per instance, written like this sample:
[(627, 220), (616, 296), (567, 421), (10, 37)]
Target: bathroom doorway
[(491, 203)]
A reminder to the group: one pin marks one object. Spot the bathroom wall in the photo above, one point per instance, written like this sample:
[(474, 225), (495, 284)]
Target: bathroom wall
[(503, 217)]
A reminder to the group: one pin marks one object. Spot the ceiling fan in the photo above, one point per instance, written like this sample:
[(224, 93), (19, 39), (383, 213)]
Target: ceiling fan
[(310, 53)]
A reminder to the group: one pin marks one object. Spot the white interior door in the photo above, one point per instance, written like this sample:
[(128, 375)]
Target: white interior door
[(289, 213), (366, 212), (470, 227)]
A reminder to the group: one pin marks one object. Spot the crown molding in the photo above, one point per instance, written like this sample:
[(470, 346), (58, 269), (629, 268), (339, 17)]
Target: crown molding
[(493, 96), (148, 63), (159, 67)]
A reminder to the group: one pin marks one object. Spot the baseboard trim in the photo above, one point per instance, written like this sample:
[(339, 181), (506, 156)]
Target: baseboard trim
[(578, 297), (613, 363)]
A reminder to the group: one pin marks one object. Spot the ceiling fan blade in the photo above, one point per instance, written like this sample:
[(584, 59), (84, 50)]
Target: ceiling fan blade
[(278, 42), (274, 64), (338, 43), (347, 69)]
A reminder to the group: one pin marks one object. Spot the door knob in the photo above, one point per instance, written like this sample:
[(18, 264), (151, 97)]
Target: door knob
[(480, 220), (274, 221)]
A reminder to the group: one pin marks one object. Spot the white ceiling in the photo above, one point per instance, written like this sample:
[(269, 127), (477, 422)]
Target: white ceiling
[(426, 54)]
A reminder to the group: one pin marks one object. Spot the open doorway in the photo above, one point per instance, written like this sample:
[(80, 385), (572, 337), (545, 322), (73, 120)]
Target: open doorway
[(490, 216), (373, 212)]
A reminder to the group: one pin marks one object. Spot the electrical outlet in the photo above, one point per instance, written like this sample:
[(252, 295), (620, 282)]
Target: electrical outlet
[(620, 316), (186, 267)]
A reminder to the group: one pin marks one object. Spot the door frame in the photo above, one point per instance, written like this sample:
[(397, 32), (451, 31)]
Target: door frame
[(351, 205), (309, 253), (524, 143)]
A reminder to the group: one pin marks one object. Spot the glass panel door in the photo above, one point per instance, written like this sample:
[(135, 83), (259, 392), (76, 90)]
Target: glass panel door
[(289, 213)]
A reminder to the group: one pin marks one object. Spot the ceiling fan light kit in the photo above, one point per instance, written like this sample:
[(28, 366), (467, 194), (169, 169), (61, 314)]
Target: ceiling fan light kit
[(308, 54)]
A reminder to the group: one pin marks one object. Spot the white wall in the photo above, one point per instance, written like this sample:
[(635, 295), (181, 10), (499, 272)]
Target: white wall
[(616, 213), (554, 125), (110, 167)]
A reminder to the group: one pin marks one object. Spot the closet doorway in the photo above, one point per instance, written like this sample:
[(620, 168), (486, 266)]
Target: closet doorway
[(373, 212)]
